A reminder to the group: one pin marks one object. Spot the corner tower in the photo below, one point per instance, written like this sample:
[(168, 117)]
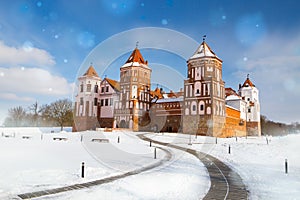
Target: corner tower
[(250, 94), (86, 111), (204, 94), (134, 98)]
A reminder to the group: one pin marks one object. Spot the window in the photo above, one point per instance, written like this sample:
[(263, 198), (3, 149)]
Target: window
[(88, 87), (81, 101), (81, 88), (111, 101), (198, 91), (102, 102), (248, 99), (106, 102), (96, 89), (249, 110), (194, 108), (201, 107), (102, 89), (95, 101), (107, 88)]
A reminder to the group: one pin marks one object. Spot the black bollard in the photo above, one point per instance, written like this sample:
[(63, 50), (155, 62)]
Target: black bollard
[(236, 139), (155, 153), (118, 139), (229, 149), (286, 166), (81, 138), (150, 143), (267, 141), (41, 136), (216, 140), (82, 170)]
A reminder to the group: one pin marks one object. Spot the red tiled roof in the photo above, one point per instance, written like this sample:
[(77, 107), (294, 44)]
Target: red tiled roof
[(248, 83), (136, 56), (114, 84), (91, 72)]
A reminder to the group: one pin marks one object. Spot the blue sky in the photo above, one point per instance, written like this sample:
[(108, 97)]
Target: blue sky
[(44, 44)]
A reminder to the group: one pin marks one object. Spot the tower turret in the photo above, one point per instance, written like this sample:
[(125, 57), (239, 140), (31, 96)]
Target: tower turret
[(134, 98), (204, 94), (250, 93), (86, 101)]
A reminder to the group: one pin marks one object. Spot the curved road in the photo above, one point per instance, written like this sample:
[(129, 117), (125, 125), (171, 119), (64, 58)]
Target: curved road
[(225, 183), (31, 195)]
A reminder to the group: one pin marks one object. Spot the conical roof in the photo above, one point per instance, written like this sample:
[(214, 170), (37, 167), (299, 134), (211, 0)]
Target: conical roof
[(204, 51), (136, 56), (248, 83), (136, 59), (91, 72)]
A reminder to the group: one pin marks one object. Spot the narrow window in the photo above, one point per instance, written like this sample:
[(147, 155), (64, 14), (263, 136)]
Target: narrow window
[(81, 88), (201, 107), (96, 89), (107, 88), (102, 89), (194, 107), (88, 87), (106, 102), (249, 110), (102, 102), (81, 101), (198, 91), (95, 101)]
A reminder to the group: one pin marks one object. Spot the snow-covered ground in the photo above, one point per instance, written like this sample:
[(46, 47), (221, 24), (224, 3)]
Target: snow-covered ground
[(261, 165), (31, 160)]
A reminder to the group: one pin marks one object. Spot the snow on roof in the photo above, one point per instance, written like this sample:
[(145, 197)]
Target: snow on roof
[(136, 59), (232, 97), (135, 64), (204, 51), (169, 100)]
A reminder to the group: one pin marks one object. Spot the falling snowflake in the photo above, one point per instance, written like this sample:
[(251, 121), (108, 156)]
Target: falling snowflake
[(164, 22)]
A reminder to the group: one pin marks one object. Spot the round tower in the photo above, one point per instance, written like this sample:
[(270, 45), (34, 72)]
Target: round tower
[(250, 94), (86, 111)]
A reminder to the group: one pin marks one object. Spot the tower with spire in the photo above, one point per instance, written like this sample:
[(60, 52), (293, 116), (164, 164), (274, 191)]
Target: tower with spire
[(134, 99), (250, 94), (204, 94), (86, 101)]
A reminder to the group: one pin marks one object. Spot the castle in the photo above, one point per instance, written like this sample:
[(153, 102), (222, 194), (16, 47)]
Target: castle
[(203, 107)]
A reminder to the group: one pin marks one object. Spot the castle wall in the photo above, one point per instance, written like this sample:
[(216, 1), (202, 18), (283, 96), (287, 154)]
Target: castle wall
[(253, 129), (233, 125)]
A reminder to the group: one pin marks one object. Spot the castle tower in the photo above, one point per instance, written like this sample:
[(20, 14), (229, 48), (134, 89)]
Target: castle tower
[(86, 101), (204, 94), (250, 94), (134, 98)]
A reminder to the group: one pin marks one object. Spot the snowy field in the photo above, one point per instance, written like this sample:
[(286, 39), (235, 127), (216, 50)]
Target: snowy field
[(261, 165), (35, 159)]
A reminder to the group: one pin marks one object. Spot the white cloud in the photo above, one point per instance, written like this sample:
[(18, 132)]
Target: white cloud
[(274, 66), (14, 97), (26, 55), (34, 81)]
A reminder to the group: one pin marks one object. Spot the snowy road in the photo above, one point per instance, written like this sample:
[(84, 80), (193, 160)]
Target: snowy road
[(225, 183), (36, 161)]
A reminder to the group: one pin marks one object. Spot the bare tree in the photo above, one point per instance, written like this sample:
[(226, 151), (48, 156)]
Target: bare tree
[(34, 108), (16, 116), (61, 112)]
